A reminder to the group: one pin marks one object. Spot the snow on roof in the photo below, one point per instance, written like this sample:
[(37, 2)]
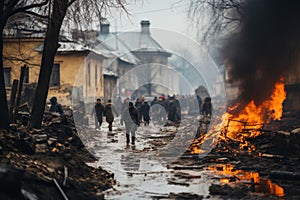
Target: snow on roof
[(125, 43), (108, 72), (117, 47), (76, 47)]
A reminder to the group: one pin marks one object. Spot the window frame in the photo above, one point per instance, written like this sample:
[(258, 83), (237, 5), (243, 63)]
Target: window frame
[(5, 81), (53, 83)]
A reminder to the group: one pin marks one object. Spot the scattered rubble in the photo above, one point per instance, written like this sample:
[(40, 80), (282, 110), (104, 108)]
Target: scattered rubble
[(274, 154), (226, 190), (49, 163)]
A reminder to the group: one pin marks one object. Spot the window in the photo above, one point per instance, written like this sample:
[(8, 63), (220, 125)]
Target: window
[(7, 77), (89, 75), (55, 76), (26, 75)]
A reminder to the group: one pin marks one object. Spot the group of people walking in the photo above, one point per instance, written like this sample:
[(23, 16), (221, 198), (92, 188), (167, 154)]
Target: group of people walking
[(133, 114), (129, 116), (108, 111)]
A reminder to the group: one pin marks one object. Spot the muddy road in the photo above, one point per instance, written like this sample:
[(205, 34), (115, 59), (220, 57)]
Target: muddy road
[(141, 173)]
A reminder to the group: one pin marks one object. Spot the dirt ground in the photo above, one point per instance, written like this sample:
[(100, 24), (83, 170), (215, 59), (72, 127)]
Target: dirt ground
[(33, 160), (263, 167)]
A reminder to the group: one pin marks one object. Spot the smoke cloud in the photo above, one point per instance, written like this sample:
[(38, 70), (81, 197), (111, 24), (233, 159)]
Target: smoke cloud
[(265, 48)]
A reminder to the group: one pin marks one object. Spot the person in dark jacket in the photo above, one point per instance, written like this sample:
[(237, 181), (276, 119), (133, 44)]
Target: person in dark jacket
[(145, 112), (154, 101), (98, 113), (178, 110), (207, 106), (109, 112), (172, 111), (131, 118), (138, 106), (56, 107)]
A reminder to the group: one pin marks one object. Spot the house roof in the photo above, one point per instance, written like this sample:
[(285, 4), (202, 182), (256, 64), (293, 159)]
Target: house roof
[(68, 47), (112, 43), (124, 44)]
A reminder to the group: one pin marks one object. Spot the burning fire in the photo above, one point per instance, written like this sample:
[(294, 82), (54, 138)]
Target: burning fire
[(248, 123), (253, 117)]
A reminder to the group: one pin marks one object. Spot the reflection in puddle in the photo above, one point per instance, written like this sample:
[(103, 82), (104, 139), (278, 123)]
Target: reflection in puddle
[(260, 185)]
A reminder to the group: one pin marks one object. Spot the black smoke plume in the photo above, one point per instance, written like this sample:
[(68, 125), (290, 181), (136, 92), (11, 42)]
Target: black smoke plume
[(265, 48)]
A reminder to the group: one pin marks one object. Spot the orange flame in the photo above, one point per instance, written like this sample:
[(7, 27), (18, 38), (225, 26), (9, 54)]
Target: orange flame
[(249, 121), (253, 117)]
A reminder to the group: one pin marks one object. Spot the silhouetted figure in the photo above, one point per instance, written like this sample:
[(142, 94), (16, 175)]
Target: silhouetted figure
[(207, 106), (98, 111), (145, 112), (109, 112), (56, 107), (138, 105)]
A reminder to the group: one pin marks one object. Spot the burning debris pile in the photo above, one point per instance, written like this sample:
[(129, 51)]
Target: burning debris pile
[(252, 118), (256, 144), (48, 159)]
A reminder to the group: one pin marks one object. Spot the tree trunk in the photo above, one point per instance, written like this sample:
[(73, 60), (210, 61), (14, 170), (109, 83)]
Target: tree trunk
[(50, 47), (16, 113), (4, 119)]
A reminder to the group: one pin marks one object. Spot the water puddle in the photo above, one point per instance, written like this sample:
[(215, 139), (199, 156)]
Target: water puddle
[(139, 174), (227, 174)]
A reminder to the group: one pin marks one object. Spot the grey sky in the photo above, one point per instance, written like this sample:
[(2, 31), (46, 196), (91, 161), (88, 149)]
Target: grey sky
[(165, 14)]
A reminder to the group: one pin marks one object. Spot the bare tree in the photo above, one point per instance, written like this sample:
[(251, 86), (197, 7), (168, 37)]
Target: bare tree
[(9, 8), (213, 18), (58, 12), (83, 12), (261, 44), (52, 14)]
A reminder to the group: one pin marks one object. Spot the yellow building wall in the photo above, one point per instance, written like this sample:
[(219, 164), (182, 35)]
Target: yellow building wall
[(17, 52), (73, 69)]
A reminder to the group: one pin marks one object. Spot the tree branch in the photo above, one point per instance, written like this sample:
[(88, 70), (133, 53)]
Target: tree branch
[(36, 14), (7, 11), (35, 5), (71, 2)]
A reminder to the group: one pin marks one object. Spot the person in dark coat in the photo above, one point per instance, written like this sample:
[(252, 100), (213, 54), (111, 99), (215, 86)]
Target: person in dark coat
[(138, 106), (131, 118), (207, 106), (98, 113), (56, 107), (154, 101), (178, 110), (172, 111), (145, 112), (109, 112)]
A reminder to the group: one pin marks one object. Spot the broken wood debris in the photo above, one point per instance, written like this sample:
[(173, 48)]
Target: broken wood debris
[(60, 190), (174, 182)]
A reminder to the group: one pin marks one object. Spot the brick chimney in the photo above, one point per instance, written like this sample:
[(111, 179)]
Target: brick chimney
[(104, 28), (145, 26)]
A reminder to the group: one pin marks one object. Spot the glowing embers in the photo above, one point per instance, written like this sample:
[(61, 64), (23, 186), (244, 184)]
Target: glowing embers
[(195, 147), (252, 179)]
